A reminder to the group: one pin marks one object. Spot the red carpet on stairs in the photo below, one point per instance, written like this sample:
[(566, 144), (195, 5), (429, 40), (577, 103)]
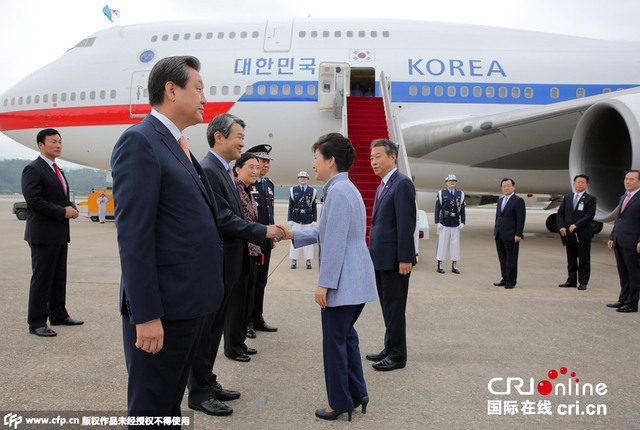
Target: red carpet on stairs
[(366, 122)]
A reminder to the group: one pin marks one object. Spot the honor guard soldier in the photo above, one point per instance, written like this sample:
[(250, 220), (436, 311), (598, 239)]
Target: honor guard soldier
[(450, 218), (262, 191), (302, 215)]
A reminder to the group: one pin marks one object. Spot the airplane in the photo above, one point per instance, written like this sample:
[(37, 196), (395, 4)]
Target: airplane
[(481, 102)]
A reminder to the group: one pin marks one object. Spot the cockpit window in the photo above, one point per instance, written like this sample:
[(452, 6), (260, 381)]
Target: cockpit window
[(86, 43)]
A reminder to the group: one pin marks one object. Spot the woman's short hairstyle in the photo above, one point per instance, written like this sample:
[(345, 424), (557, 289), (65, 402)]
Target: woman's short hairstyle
[(337, 146), (240, 162)]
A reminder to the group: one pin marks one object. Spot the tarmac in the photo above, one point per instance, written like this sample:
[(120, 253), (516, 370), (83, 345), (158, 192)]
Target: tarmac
[(465, 338)]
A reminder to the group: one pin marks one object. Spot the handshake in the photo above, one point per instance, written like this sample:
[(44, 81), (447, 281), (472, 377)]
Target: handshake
[(278, 233)]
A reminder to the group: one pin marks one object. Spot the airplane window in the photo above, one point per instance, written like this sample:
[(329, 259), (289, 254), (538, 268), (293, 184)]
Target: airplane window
[(477, 91), (237, 90), (464, 91), (555, 93), (45, 98), (255, 34), (92, 95), (338, 34), (374, 34), (232, 35), (580, 92), (90, 41), (145, 93), (83, 95), (311, 89), (528, 92), (176, 36), (154, 38), (213, 91), (165, 37), (261, 90), (606, 90), (113, 94), (325, 34), (515, 92), (439, 91), (63, 97), (349, 33), (426, 90), (198, 36), (243, 35), (314, 34), (413, 90), (220, 35), (249, 90), (302, 34), (273, 89), (286, 90), (28, 100), (385, 34), (362, 33), (187, 36), (73, 97), (103, 94), (209, 35), (225, 90), (13, 101), (491, 92), (502, 92), (36, 99), (298, 90), (19, 100), (451, 91), (54, 98), (6, 102)]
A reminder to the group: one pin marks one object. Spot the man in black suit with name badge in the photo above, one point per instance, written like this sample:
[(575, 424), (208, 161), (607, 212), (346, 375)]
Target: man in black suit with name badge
[(46, 191), (574, 224), (625, 242), (508, 231)]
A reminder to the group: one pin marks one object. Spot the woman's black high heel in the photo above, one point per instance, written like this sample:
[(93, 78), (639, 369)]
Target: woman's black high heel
[(361, 401), (322, 413)]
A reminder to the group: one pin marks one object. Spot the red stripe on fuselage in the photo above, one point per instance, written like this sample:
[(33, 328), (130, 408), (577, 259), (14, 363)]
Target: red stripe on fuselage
[(88, 116)]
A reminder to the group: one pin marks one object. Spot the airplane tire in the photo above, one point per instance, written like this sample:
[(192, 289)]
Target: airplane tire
[(551, 223), (596, 227)]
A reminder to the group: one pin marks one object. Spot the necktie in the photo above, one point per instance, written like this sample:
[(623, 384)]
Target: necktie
[(230, 170), (576, 198), (380, 188), (624, 204), (55, 167), (504, 203), (183, 144)]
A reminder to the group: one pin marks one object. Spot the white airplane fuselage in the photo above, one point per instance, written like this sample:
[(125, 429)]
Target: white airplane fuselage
[(267, 73)]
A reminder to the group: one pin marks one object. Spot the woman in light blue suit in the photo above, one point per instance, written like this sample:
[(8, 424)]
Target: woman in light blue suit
[(347, 279)]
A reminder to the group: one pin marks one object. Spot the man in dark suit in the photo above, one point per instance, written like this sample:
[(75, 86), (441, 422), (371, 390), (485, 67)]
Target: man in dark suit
[(49, 209), (262, 191), (508, 230), (392, 249), (225, 135), (171, 251), (625, 242), (574, 222)]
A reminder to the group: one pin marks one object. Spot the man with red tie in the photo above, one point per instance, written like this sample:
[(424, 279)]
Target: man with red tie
[(625, 243), (46, 191)]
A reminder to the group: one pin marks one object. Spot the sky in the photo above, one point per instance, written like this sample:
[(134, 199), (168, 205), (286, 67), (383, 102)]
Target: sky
[(36, 32)]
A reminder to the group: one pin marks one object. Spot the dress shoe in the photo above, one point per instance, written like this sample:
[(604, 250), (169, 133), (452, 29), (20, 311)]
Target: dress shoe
[(242, 358), (626, 309), (265, 327), (364, 401), (212, 407), (250, 351), (387, 364), (456, 271), (308, 264), (43, 331), (322, 413), (614, 305), (440, 270), (293, 264), (582, 287), (567, 285), (500, 284), (376, 357), (67, 321), (508, 287), (251, 333), (224, 395)]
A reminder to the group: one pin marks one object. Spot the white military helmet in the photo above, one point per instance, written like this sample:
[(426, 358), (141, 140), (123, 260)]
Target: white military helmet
[(451, 177), (303, 174)]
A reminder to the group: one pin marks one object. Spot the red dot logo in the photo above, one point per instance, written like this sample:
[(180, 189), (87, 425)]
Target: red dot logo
[(573, 374), (563, 370), (553, 374), (545, 387)]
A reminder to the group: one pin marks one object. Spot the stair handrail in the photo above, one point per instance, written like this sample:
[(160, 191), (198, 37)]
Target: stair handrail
[(343, 91), (393, 125)]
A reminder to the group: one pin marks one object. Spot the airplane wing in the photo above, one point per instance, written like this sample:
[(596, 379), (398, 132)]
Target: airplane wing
[(529, 138)]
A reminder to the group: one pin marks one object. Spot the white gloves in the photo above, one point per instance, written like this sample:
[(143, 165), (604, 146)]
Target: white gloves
[(461, 226), (440, 226), (291, 223)]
